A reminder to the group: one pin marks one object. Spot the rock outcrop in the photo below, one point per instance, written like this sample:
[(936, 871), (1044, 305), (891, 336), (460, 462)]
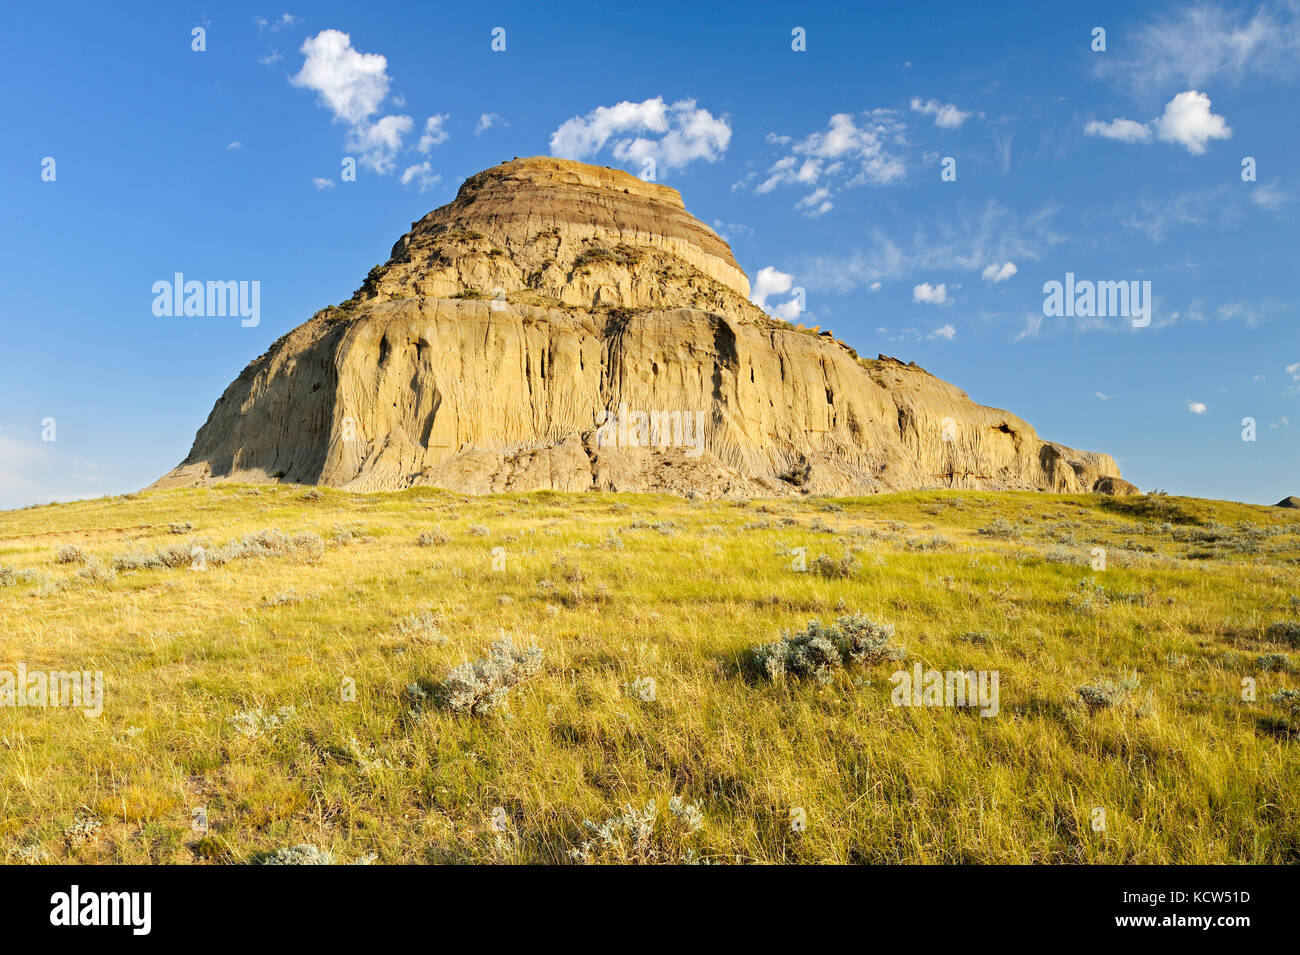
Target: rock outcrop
[(563, 326), (1291, 501)]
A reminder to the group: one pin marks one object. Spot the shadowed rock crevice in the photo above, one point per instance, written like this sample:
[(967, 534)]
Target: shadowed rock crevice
[(481, 356)]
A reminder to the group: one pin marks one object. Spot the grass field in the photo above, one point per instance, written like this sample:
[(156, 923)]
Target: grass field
[(295, 686)]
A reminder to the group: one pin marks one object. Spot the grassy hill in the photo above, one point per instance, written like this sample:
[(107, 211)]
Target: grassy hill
[(280, 656)]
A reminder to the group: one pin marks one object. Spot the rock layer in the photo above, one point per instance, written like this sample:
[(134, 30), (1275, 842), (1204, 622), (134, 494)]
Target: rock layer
[(562, 326)]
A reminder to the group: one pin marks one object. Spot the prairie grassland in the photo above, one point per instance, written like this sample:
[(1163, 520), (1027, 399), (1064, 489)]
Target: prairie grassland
[(227, 688)]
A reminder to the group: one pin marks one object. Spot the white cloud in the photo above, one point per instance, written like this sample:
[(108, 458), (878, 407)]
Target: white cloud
[(874, 286), (1102, 396), (230, 147), (422, 175), (928, 294), (845, 154), (1123, 130), (271, 58), (379, 142), (816, 202), (946, 332), (1187, 120), (434, 133), (285, 21), (788, 311), (673, 135), (946, 115), (350, 84), (1196, 407), (1294, 370), (486, 122), (996, 273), (323, 183), (1281, 424), (768, 282)]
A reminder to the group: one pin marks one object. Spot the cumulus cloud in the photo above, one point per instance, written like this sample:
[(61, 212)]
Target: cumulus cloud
[(996, 273), (769, 282), (1123, 130), (1196, 407), (1187, 121), (320, 183), (353, 85), (928, 294), (874, 286), (486, 122), (946, 332), (673, 135), (946, 115), (349, 83)]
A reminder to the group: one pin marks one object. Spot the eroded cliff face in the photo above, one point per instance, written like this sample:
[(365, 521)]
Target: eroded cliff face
[(562, 326)]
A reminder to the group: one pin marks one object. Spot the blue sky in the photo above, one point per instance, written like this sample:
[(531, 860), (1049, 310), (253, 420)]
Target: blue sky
[(822, 166)]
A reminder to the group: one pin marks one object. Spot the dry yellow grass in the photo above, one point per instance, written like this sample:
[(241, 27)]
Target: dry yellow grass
[(225, 686)]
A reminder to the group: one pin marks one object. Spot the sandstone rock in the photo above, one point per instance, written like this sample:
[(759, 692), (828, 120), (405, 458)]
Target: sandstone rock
[(1116, 486), (490, 351)]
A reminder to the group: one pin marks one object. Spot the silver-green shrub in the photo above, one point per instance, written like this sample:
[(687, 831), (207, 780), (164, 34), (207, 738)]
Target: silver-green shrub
[(643, 837), (483, 685), (819, 650)]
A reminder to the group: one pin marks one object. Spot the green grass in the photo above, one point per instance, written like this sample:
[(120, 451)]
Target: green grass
[(615, 589)]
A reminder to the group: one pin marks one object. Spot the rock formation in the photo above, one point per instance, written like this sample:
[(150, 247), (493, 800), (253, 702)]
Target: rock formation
[(569, 327)]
